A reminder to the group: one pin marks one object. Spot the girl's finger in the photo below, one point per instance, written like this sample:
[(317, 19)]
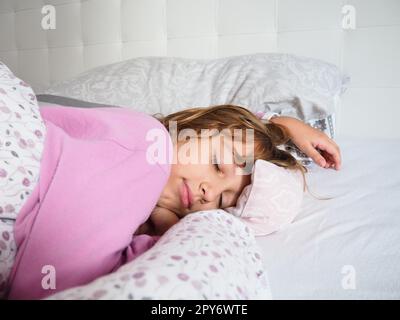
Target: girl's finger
[(315, 155), (329, 159), (331, 150)]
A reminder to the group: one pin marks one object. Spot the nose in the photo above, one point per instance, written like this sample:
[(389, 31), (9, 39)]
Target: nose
[(210, 192)]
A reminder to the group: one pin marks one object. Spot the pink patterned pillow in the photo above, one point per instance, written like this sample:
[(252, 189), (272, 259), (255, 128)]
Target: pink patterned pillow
[(272, 200)]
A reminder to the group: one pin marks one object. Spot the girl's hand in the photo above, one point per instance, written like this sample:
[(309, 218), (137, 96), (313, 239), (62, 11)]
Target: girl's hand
[(314, 143)]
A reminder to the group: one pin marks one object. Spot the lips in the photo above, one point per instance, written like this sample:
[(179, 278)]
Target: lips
[(186, 195)]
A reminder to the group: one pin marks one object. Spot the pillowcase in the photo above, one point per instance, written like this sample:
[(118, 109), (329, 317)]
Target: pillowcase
[(272, 199), (207, 255), (291, 85)]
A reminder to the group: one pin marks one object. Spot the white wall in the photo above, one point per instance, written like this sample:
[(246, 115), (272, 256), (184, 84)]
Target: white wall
[(95, 32), (370, 54)]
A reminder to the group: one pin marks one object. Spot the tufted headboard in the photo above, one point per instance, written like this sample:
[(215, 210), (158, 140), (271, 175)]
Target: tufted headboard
[(89, 33)]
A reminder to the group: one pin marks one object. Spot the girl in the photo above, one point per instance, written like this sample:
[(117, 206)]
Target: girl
[(95, 187), (212, 185)]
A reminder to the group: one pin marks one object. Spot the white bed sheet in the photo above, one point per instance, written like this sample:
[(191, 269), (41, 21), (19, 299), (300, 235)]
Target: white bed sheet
[(347, 247)]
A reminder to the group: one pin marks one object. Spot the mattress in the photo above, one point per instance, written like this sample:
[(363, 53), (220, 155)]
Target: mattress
[(347, 247)]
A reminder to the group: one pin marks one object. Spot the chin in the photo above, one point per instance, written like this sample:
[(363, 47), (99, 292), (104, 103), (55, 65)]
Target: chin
[(182, 213)]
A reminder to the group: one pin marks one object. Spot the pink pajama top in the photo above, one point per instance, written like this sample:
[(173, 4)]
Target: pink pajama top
[(96, 187)]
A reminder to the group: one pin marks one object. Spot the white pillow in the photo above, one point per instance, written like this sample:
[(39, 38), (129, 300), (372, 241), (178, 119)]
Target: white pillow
[(290, 85), (272, 199)]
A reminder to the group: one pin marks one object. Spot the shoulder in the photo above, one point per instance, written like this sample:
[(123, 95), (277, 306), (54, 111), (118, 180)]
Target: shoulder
[(63, 115), (151, 136), (128, 127), (137, 132)]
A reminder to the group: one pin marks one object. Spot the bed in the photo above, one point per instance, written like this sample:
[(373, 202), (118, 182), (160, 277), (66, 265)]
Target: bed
[(347, 247), (343, 248)]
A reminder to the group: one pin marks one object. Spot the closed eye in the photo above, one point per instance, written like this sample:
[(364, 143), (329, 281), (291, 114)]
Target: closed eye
[(216, 164), (218, 170)]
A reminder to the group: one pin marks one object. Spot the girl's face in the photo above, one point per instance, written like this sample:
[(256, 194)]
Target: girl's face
[(204, 185)]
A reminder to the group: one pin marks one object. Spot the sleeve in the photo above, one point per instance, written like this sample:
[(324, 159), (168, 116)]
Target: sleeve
[(269, 115), (266, 116), (140, 244)]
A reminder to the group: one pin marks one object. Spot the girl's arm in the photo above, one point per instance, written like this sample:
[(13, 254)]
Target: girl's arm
[(314, 143)]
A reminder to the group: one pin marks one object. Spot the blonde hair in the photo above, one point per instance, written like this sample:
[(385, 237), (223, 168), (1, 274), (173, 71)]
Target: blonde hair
[(267, 136)]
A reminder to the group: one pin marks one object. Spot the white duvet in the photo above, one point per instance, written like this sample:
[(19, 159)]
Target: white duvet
[(347, 247)]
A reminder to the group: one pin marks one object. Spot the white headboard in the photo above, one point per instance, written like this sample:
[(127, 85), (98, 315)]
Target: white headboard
[(95, 32)]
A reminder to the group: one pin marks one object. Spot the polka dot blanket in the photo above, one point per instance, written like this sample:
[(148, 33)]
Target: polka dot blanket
[(207, 255)]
